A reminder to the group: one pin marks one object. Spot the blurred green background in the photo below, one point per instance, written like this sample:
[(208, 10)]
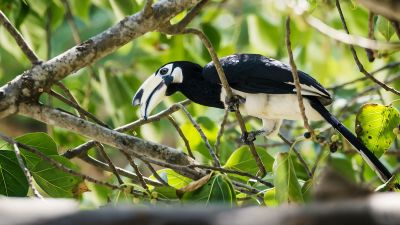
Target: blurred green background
[(237, 26)]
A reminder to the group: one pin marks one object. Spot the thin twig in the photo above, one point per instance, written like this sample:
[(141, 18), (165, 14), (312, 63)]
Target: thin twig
[(220, 133), (109, 162), (354, 53), (181, 25), (69, 95), (77, 107), (296, 77), (180, 29), (147, 9), (71, 23), (229, 93), (203, 136), (301, 159), (238, 172), (350, 39), (319, 157), (19, 39), (83, 148), (94, 162), (48, 32), (387, 66), (55, 163), (26, 171), (137, 171), (182, 135), (371, 28), (155, 174)]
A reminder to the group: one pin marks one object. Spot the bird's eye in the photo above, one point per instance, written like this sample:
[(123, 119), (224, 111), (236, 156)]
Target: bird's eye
[(163, 71)]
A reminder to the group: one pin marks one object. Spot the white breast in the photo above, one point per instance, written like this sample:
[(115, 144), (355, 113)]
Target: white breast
[(274, 106)]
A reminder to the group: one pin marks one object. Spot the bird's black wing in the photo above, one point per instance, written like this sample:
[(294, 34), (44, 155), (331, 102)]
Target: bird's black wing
[(252, 73)]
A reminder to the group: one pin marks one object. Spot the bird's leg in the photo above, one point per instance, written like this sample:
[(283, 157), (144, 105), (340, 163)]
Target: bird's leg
[(234, 102), (270, 128), (251, 136)]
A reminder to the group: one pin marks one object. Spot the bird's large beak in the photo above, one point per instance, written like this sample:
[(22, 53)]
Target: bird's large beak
[(150, 93)]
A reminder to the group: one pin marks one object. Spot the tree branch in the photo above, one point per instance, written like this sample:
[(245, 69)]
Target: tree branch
[(296, 78), (181, 134), (203, 136), (228, 90), (29, 85), (359, 65), (348, 38), (131, 126), (129, 144), (26, 171), (55, 163)]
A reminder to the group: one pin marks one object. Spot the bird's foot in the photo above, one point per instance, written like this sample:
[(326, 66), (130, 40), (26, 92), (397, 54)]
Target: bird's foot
[(234, 102), (251, 136)]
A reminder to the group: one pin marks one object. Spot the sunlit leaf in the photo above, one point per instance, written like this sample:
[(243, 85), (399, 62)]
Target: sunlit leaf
[(374, 126), (217, 190), (269, 198), (385, 27), (40, 141), (243, 160), (343, 165), (287, 187), (172, 178), (12, 179), (55, 182)]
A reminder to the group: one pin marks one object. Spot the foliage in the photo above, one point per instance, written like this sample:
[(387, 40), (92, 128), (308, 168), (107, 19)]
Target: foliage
[(105, 89)]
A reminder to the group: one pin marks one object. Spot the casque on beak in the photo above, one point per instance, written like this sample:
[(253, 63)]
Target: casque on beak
[(150, 93)]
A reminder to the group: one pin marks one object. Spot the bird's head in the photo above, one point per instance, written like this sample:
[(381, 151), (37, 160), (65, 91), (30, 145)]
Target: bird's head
[(164, 82)]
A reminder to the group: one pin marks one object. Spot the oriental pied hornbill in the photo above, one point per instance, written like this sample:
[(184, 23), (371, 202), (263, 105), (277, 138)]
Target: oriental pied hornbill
[(265, 88)]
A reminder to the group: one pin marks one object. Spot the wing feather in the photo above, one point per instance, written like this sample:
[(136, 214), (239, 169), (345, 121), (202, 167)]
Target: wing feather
[(253, 73)]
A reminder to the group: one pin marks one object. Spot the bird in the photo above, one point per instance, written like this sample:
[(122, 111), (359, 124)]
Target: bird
[(263, 88)]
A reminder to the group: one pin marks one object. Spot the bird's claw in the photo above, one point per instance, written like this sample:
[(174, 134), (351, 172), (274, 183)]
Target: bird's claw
[(248, 137), (234, 102)]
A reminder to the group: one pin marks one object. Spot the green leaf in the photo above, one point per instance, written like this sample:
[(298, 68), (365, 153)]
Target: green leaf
[(172, 178), (243, 160), (374, 126), (217, 190), (287, 186), (269, 197), (12, 179), (55, 182), (166, 192), (385, 27), (343, 165), (40, 141)]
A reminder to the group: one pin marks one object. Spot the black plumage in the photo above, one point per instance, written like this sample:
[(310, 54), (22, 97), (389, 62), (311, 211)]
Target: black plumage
[(253, 73), (265, 84)]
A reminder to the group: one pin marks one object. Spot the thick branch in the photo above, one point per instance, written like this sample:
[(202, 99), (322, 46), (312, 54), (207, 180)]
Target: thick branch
[(33, 82), (129, 144)]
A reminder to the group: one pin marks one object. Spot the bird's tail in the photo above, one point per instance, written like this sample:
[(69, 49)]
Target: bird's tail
[(368, 156)]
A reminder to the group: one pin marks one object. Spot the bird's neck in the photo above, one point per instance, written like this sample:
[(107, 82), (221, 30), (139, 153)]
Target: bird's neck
[(199, 90)]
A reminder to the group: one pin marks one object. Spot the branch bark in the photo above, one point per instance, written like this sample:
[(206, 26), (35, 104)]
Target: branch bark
[(129, 144), (29, 85)]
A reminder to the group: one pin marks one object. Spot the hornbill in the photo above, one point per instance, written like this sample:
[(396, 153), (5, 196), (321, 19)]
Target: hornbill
[(265, 89)]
